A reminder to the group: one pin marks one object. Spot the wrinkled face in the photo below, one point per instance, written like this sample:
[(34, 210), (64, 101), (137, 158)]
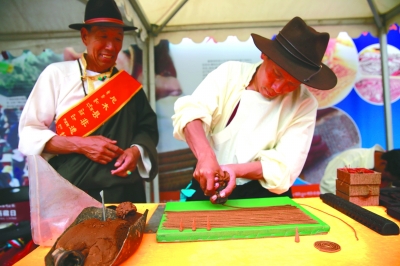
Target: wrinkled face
[(272, 80), (103, 45)]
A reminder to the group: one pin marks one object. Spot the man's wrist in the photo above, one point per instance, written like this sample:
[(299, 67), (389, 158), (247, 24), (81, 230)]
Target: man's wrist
[(206, 155), (135, 150)]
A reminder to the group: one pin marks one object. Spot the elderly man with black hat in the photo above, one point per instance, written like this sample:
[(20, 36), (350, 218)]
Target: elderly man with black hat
[(106, 131), (255, 121)]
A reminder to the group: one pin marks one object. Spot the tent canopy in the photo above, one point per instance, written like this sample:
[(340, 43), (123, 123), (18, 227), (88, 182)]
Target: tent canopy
[(197, 19), (36, 25)]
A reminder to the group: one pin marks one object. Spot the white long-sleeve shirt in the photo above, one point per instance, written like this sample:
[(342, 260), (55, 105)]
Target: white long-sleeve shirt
[(277, 132), (58, 88)]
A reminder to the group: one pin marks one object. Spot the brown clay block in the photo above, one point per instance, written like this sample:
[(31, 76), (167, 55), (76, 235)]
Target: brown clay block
[(358, 178), (360, 200), (357, 190)]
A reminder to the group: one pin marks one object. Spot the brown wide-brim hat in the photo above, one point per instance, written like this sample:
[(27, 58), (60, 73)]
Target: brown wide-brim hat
[(299, 50), (103, 13)]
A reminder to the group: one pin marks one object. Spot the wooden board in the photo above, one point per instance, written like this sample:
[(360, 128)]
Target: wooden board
[(174, 235)]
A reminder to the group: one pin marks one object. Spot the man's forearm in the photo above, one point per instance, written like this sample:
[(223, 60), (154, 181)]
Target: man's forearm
[(97, 148), (62, 145), (251, 170), (197, 140)]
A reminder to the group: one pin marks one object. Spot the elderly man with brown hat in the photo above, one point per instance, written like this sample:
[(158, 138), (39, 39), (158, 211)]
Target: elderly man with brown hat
[(255, 121), (106, 131)]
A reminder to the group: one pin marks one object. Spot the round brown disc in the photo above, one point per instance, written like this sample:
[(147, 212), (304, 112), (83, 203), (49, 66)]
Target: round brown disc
[(327, 246)]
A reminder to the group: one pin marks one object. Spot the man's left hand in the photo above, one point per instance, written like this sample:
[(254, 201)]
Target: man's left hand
[(126, 162)]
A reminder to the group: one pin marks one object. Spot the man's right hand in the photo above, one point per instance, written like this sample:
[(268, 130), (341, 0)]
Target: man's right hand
[(205, 172), (207, 165), (99, 149)]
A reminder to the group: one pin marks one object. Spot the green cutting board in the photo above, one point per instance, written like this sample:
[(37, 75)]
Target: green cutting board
[(174, 235)]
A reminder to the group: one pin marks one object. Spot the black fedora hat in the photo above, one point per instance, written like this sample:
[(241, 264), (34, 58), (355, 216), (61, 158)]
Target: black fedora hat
[(299, 50), (102, 13)]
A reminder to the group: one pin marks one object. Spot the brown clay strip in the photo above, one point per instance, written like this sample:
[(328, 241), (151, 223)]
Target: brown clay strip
[(327, 246), (260, 216), (354, 230)]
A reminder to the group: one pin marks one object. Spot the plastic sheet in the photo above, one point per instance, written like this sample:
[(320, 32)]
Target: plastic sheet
[(54, 202)]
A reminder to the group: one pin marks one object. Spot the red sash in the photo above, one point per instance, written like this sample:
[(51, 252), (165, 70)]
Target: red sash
[(96, 108)]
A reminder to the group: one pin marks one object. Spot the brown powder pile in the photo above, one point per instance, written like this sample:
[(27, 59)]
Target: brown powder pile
[(124, 209), (259, 216), (100, 241), (128, 212)]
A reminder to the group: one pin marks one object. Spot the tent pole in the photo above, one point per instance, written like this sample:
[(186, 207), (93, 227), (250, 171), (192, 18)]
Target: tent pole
[(386, 89), (142, 16), (145, 84), (170, 16), (387, 104), (152, 98)]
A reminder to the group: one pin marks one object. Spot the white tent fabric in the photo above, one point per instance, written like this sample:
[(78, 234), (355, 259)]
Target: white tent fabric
[(219, 18), (41, 24)]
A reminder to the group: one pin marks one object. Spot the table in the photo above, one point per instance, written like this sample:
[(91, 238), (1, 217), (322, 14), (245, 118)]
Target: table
[(371, 248)]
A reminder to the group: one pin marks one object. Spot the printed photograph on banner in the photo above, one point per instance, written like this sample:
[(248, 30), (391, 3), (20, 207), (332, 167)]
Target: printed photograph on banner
[(335, 131), (342, 57), (18, 75), (369, 86)]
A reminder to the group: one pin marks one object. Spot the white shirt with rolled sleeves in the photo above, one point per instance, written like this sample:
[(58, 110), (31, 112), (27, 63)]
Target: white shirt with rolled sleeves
[(57, 89), (277, 132)]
